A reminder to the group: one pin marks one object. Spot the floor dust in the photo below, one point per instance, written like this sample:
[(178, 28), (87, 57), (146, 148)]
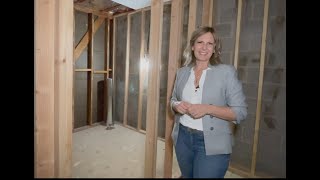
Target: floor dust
[(117, 153)]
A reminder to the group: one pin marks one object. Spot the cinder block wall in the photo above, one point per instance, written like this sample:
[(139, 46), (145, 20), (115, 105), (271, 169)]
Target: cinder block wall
[(271, 155)]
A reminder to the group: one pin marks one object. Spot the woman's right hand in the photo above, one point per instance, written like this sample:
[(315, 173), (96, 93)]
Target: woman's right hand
[(181, 107)]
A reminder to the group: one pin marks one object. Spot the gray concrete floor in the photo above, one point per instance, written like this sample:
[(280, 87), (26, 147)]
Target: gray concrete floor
[(118, 153)]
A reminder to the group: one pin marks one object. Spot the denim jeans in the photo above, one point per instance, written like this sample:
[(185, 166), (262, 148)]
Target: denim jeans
[(192, 158)]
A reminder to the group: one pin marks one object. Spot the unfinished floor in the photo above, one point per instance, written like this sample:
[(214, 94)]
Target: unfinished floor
[(117, 153)]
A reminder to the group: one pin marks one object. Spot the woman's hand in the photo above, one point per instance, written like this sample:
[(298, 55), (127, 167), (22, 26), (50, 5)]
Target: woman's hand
[(197, 110), (181, 107)]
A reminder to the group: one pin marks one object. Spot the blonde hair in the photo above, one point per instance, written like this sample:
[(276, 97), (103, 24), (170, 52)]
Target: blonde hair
[(188, 54)]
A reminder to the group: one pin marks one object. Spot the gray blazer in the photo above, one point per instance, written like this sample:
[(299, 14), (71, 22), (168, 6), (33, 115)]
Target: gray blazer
[(222, 88)]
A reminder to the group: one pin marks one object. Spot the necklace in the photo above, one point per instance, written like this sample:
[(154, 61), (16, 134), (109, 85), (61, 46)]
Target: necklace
[(197, 75)]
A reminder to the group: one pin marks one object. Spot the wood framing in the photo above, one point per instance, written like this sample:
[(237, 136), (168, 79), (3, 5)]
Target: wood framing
[(153, 88), (176, 27), (192, 17), (113, 66), (63, 88), (126, 72), (206, 12), (213, 9), (106, 67), (90, 66), (82, 70), (236, 48), (53, 88), (260, 86), (44, 88), (85, 39), (142, 70), (88, 10), (210, 12)]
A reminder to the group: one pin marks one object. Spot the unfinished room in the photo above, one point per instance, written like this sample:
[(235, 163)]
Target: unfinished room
[(105, 73)]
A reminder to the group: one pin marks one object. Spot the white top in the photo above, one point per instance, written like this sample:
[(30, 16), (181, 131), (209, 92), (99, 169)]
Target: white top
[(193, 95)]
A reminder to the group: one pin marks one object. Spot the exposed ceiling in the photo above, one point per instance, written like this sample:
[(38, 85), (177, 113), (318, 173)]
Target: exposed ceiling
[(109, 8)]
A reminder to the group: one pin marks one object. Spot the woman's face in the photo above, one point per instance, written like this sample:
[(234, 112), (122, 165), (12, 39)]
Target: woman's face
[(203, 47)]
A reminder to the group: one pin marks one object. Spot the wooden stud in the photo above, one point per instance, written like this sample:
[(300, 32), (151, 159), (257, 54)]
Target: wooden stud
[(210, 12), (126, 71), (192, 17), (213, 9), (236, 48), (260, 86), (153, 88), (44, 88), (206, 12), (142, 70), (90, 66), (113, 66), (63, 88), (176, 26), (53, 88)]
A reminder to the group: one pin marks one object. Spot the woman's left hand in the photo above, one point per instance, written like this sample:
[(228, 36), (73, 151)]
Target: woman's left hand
[(197, 110)]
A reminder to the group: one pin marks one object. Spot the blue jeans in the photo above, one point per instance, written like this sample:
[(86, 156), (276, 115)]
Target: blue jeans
[(192, 158)]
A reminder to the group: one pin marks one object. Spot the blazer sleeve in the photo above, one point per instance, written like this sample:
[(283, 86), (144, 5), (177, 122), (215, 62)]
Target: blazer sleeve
[(174, 93), (235, 97)]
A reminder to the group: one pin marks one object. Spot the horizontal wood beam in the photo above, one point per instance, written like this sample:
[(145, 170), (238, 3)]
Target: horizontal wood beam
[(88, 10)]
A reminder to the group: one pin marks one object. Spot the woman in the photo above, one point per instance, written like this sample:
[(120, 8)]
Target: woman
[(207, 96)]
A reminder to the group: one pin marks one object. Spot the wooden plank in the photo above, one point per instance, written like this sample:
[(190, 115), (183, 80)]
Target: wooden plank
[(143, 71), (153, 88), (214, 5), (44, 88), (206, 12), (82, 70), (176, 27), (236, 48), (210, 12), (89, 10), (85, 39), (126, 71), (192, 18), (101, 72), (260, 86), (90, 66), (63, 101), (113, 66)]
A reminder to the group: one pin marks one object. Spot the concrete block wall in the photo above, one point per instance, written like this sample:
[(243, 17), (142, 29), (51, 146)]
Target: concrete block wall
[(271, 154), (225, 25)]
